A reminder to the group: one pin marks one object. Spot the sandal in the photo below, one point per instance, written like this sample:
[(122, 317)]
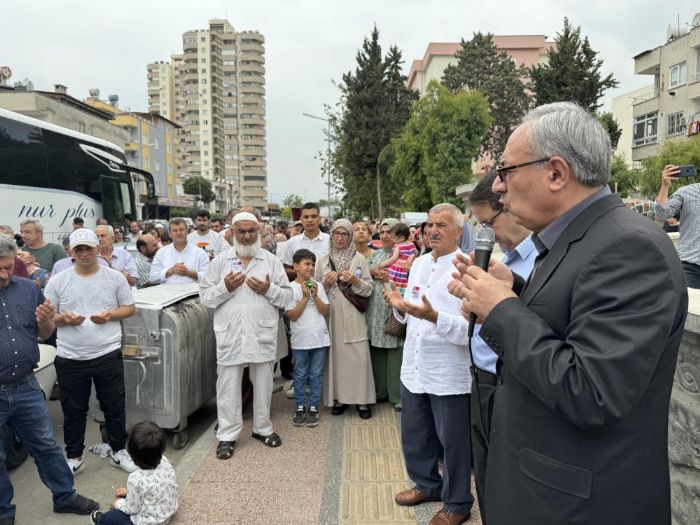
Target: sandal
[(273, 440), (225, 449)]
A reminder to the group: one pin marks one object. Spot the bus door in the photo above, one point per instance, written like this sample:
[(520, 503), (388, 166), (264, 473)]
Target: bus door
[(116, 199)]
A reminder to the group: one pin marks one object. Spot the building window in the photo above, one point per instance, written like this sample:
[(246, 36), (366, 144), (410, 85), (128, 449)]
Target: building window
[(676, 123), (677, 75), (204, 70), (645, 129)]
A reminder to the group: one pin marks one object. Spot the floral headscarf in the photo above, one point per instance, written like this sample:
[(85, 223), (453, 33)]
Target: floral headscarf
[(342, 258)]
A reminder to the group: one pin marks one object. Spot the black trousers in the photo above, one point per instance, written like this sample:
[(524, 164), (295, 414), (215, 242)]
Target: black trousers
[(75, 379), (432, 427), (692, 274), (481, 414)]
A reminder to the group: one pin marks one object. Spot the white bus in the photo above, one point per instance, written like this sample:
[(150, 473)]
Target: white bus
[(55, 174)]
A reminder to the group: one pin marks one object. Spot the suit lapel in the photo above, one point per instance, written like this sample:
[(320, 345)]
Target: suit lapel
[(573, 233)]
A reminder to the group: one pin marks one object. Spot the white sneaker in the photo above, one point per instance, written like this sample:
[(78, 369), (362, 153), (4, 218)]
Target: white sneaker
[(122, 460), (76, 465), (290, 393)]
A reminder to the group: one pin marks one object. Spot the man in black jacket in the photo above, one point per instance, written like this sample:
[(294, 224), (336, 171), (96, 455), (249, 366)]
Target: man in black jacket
[(588, 346)]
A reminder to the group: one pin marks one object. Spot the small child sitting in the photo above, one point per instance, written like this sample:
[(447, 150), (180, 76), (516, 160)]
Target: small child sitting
[(309, 339), (150, 495), (401, 258)]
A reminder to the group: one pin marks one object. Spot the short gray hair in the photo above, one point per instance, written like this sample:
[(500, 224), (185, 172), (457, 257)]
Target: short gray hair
[(110, 230), (8, 248), (566, 130), (36, 222), (454, 211)]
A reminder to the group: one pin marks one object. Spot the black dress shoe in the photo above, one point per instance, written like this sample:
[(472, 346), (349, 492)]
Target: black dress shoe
[(8, 520), (365, 413), (339, 409)]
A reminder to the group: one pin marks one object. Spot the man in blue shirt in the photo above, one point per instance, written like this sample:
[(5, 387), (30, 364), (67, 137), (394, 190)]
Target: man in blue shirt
[(26, 315), (520, 254)]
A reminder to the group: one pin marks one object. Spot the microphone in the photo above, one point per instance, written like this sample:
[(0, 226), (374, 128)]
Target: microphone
[(483, 246)]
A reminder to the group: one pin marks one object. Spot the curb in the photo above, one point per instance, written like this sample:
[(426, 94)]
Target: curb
[(189, 463)]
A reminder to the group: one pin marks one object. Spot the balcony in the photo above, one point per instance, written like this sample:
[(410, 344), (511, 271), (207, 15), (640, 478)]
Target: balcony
[(648, 63), (642, 105), (694, 86)]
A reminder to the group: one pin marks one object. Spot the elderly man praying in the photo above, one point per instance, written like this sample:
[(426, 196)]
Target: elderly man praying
[(247, 286)]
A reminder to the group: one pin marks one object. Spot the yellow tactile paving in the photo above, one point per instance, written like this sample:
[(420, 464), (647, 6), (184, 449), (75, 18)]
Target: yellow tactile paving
[(373, 471)]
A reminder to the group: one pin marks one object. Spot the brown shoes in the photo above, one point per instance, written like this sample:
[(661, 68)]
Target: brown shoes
[(410, 497), (445, 517)]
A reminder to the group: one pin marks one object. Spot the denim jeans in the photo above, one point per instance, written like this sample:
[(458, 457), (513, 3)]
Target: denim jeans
[(75, 380), (308, 368), (25, 408), (115, 517)]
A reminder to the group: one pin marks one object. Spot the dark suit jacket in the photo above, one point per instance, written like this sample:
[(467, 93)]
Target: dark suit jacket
[(587, 358)]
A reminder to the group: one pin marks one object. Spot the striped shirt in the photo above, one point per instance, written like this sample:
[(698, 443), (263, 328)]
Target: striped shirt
[(685, 200)]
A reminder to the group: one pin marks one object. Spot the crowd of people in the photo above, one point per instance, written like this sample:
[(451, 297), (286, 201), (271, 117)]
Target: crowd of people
[(569, 369)]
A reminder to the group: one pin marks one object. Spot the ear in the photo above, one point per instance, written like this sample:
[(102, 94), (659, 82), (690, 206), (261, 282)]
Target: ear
[(560, 175)]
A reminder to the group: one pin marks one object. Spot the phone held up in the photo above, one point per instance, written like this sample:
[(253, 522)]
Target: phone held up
[(687, 170)]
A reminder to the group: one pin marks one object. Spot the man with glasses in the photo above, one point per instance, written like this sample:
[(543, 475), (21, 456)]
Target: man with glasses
[(246, 286), (587, 348), (519, 256)]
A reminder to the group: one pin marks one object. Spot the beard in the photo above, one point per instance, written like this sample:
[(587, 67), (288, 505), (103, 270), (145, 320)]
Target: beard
[(247, 251)]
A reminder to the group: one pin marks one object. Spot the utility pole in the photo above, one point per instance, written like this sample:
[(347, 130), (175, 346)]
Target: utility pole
[(380, 208)]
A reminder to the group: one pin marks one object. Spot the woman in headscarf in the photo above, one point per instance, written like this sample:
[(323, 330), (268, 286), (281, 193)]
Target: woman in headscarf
[(386, 350), (348, 376)]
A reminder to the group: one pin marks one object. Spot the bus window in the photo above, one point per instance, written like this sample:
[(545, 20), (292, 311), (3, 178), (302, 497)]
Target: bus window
[(126, 199), (112, 203), (22, 153)]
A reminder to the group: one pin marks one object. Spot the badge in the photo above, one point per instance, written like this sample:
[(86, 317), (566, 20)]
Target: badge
[(415, 292), (236, 266)]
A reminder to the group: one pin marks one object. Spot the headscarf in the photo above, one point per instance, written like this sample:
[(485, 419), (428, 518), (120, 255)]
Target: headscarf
[(389, 222), (342, 258)]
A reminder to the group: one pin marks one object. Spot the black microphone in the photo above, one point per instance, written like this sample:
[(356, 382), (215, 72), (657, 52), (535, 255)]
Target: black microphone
[(483, 246)]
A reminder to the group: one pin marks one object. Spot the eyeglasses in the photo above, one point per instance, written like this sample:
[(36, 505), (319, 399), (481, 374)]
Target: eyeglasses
[(341, 234), (489, 223), (502, 171)]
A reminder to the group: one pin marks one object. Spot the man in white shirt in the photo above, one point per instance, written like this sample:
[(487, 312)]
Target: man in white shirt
[(90, 300), (117, 258), (247, 286), (205, 238), (181, 261), (313, 239), (435, 380)]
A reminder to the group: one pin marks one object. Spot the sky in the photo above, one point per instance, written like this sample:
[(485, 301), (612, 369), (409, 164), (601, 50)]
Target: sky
[(309, 45)]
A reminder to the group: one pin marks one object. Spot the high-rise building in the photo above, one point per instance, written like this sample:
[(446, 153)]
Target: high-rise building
[(215, 90)]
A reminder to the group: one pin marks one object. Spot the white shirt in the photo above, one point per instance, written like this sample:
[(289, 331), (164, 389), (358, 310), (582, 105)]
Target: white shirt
[(105, 290), (309, 331), (245, 322), (151, 495), (193, 258), (211, 242), (319, 246), (435, 356)]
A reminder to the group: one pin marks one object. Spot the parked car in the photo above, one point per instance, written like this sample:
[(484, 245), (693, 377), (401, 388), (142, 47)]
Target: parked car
[(15, 453)]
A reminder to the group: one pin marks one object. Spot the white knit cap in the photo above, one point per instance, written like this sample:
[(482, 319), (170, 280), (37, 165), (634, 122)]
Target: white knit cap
[(244, 216)]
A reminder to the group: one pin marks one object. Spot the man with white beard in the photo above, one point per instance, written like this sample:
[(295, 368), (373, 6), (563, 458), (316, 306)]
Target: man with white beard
[(247, 286)]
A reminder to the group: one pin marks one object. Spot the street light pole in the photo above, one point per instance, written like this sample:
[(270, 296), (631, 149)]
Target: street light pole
[(328, 156)]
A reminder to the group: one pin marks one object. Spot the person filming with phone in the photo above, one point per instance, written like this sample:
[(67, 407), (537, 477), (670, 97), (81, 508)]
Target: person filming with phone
[(685, 202)]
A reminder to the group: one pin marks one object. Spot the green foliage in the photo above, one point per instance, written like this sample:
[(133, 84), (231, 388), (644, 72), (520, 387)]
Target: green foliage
[(482, 67), (572, 73), (181, 212), (373, 108), (434, 153), (198, 185), (612, 127), (623, 179), (291, 201), (684, 151)]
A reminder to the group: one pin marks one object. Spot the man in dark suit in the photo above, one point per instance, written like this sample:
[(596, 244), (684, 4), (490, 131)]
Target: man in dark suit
[(587, 348)]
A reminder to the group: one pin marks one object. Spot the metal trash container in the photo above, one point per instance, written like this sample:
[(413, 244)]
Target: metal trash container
[(169, 357)]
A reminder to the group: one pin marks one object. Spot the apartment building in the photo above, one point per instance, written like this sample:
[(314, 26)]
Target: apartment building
[(670, 108), (215, 90)]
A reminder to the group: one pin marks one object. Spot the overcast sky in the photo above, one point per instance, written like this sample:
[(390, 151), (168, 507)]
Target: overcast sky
[(309, 44)]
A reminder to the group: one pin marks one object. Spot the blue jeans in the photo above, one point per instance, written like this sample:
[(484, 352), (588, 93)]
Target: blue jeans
[(24, 407), (115, 517), (308, 368)]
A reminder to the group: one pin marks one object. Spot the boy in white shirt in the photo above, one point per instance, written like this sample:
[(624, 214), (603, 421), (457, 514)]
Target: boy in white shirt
[(309, 336)]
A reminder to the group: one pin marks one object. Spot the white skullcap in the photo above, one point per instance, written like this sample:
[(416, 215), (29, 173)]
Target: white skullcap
[(244, 216)]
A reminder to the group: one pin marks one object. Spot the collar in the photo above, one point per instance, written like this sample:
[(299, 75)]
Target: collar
[(523, 250), (443, 258), (319, 237), (549, 235)]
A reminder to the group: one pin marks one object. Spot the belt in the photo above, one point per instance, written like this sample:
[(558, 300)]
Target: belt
[(485, 377), (4, 387)]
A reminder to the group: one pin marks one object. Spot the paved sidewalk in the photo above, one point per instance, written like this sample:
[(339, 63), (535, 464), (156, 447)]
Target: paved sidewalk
[(344, 471)]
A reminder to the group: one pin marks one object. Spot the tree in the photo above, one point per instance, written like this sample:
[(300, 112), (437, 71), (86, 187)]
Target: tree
[(373, 107), (612, 127), (198, 185), (291, 201), (482, 67), (623, 179), (434, 152), (684, 151), (572, 72)]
